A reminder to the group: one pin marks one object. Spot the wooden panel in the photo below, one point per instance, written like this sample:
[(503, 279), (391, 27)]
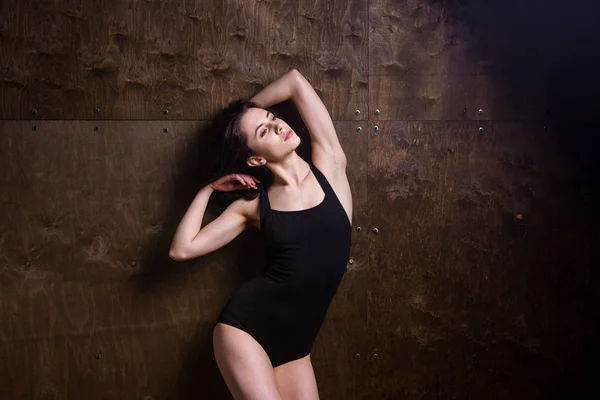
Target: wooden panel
[(479, 281), (92, 353), (88, 218), (467, 291), (425, 66), (412, 36), (457, 97), (132, 60)]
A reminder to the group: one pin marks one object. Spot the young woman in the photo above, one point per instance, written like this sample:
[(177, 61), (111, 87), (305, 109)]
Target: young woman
[(264, 335)]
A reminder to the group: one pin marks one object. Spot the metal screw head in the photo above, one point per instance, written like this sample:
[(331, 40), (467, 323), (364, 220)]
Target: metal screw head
[(351, 261), (133, 262), (358, 129), (375, 356), (376, 230), (166, 111), (519, 216), (97, 110), (98, 356), (166, 130), (376, 128), (480, 111), (481, 129), (34, 111), (358, 229), (377, 111), (357, 355), (357, 112)]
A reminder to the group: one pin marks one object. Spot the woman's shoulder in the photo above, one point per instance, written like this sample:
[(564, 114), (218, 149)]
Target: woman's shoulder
[(251, 210)]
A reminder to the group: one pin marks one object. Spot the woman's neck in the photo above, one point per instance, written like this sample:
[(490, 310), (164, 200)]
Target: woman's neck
[(290, 172)]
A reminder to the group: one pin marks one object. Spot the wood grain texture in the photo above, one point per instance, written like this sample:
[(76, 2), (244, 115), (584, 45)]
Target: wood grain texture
[(465, 294), (480, 279), (88, 218), (133, 59), (423, 65), (458, 97)]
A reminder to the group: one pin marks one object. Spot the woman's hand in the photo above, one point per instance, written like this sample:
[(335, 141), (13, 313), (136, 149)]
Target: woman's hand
[(233, 182)]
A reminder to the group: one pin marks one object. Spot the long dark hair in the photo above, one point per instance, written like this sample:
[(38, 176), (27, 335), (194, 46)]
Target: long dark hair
[(231, 151)]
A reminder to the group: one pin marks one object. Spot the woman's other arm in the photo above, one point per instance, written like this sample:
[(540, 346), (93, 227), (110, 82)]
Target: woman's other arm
[(191, 222), (192, 241)]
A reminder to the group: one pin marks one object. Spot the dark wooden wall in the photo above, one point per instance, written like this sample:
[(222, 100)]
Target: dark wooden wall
[(470, 132)]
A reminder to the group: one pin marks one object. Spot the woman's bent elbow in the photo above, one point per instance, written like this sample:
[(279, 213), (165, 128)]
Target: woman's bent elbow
[(176, 255)]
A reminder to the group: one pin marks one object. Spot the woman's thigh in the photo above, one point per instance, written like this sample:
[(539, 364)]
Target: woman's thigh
[(296, 380), (244, 364)]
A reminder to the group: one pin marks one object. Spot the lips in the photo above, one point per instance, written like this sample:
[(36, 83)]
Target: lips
[(288, 135)]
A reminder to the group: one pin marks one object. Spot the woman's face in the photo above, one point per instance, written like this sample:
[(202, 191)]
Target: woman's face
[(266, 134)]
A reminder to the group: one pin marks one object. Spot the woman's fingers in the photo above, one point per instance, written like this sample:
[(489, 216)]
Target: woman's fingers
[(241, 179), (250, 181), (247, 180)]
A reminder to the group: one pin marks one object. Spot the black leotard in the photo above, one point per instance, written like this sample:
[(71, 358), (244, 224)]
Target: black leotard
[(284, 307)]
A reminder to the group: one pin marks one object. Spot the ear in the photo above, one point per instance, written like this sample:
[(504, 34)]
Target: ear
[(255, 161)]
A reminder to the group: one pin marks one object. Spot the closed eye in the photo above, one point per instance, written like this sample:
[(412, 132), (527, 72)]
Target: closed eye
[(264, 130)]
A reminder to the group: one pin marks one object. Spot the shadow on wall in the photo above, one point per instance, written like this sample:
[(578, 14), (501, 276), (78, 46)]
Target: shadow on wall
[(199, 376)]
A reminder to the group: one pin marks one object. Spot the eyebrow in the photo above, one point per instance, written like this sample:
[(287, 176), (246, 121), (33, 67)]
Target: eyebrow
[(256, 131)]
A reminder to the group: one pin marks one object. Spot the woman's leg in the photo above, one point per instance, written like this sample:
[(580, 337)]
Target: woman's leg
[(244, 364), (296, 380)]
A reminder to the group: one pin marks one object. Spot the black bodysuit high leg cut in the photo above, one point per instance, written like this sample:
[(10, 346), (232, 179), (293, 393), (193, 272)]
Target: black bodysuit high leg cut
[(284, 307)]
